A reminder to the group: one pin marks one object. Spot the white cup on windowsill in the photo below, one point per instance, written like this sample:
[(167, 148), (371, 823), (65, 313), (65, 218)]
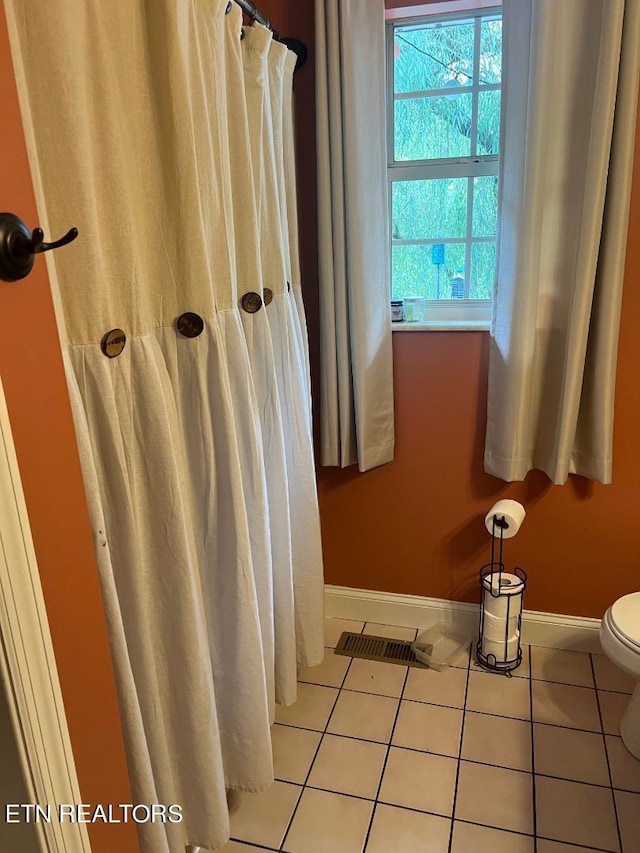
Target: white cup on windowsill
[(414, 309)]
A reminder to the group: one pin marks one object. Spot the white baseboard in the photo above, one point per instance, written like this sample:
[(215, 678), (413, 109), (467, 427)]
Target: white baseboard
[(414, 611)]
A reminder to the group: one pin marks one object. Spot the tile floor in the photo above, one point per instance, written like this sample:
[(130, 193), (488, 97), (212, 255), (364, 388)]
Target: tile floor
[(381, 758)]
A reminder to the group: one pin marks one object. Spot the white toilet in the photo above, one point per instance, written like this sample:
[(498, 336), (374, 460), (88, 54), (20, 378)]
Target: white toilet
[(620, 639)]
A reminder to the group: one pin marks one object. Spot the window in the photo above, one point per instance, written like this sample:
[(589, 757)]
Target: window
[(444, 78)]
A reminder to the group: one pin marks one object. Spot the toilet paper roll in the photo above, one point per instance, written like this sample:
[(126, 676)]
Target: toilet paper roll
[(513, 514), (501, 650), (503, 606), (507, 592), (496, 628), (502, 583)]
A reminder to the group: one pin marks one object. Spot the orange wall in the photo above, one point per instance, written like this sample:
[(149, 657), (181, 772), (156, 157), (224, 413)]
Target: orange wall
[(35, 388), (415, 526)]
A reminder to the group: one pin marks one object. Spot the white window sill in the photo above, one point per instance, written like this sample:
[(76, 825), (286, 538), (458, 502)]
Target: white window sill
[(443, 326)]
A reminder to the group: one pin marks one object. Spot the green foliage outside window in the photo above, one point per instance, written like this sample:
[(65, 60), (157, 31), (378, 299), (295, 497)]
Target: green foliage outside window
[(438, 59)]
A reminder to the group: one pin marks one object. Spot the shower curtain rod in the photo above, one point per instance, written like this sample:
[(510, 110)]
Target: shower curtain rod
[(255, 15), (298, 47)]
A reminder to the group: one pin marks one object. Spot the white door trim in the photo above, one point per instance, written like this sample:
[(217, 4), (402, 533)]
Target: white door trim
[(28, 664)]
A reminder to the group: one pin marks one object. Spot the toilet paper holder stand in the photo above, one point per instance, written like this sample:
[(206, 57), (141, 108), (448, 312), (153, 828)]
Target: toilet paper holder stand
[(504, 658)]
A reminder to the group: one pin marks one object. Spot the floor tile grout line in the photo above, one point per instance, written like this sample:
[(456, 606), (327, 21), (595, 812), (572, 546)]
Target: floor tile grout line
[(580, 686), (472, 710), (340, 793), (466, 761), (384, 763), (520, 677), (574, 844), (459, 760), (583, 782), (461, 820), (476, 668), (615, 692), (606, 755), (315, 755), (386, 696), (448, 817), (534, 812)]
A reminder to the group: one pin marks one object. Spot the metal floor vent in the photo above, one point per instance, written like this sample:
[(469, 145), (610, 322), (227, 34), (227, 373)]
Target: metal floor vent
[(377, 648)]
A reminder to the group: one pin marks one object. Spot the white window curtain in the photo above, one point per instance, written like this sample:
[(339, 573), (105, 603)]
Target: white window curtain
[(355, 328), (570, 92)]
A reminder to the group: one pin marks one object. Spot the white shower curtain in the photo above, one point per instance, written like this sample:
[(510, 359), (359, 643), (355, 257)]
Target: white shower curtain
[(141, 120)]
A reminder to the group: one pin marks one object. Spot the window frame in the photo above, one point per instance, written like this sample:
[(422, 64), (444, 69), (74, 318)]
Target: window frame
[(452, 314)]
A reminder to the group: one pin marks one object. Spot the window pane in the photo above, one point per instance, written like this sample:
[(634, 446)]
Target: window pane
[(488, 122), (490, 51), (433, 56), (485, 206), (483, 270), (434, 127), (428, 210), (415, 274)]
